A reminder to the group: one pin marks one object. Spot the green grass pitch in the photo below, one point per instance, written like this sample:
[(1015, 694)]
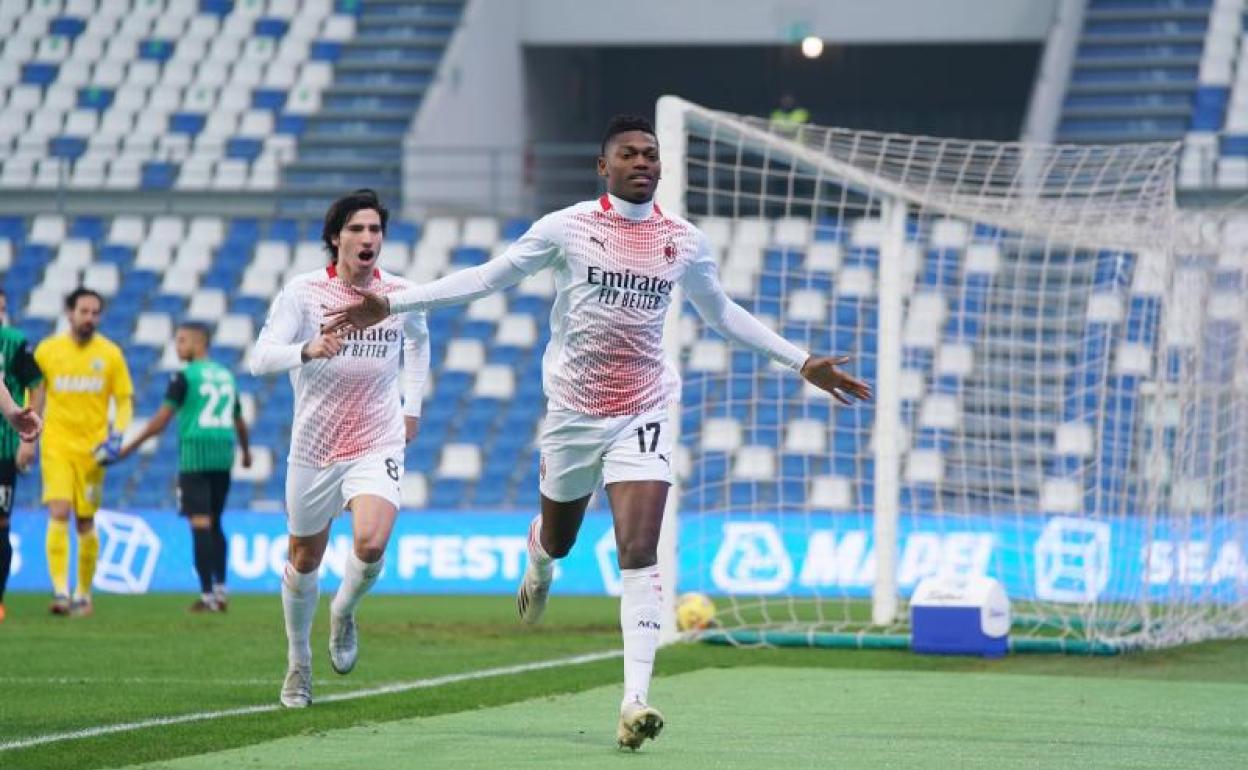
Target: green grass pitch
[(141, 659)]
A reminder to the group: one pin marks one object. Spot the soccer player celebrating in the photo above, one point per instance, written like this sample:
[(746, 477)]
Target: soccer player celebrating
[(608, 385), (83, 372), (205, 397), (21, 425), (349, 430)]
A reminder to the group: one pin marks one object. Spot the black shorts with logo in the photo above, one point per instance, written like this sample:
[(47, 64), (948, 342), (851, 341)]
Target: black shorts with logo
[(8, 483), (203, 492)]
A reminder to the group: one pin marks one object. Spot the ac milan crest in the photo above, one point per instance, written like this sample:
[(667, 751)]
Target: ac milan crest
[(669, 251)]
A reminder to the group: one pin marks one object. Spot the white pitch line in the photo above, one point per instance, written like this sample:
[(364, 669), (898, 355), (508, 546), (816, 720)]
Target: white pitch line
[(389, 689)]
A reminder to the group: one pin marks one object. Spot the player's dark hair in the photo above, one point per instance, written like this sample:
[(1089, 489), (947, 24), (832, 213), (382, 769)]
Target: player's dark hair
[(622, 123), (341, 210), (71, 299), (198, 328)]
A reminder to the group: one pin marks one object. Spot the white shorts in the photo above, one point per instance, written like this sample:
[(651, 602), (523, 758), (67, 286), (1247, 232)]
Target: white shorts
[(580, 451), (314, 496)]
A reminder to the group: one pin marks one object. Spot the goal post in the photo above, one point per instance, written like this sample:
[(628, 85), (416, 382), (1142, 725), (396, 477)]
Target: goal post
[(1055, 377)]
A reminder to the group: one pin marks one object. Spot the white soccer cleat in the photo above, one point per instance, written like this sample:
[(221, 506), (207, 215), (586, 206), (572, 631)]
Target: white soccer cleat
[(344, 645), (297, 689), (637, 723), (532, 594)]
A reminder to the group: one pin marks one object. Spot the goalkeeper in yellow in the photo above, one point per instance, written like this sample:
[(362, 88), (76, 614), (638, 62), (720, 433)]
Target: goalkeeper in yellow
[(82, 372)]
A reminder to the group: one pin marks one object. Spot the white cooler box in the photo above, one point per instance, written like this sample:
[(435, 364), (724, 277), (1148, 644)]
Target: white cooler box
[(960, 616)]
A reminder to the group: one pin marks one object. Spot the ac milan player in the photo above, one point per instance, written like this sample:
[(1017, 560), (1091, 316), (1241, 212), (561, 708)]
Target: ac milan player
[(347, 439), (607, 381)]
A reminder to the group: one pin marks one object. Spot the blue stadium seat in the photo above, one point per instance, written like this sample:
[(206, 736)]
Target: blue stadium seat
[(67, 26), (156, 50), (95, 98), (39, 73), (67, 147), (157, 175), (513, 228), (403, 231), (448, 493), (91, 228), (268, 26)]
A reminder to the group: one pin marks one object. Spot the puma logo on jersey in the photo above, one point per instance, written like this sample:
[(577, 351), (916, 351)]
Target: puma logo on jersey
[(601, 242), (663, 457)]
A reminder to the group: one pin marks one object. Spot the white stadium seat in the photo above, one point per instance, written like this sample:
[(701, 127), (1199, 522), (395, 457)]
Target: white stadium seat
[(804, 436), (491, 307), (460, 461), (464, 355), (104, 278), (207, 305), (413, 490), (495, 381), (153, 329), (74, 254), (153, 257), (708, 356), (831, 492), (180, 283), (754, 463), (47, 228), (126, 230), (45, 303), (259, 283), (273, 256), (516, 330), (167, 229), (234, 331), (721, 434), (480, 232)]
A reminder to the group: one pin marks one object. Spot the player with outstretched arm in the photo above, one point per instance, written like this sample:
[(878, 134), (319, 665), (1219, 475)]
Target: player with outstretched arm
[(608, 384)]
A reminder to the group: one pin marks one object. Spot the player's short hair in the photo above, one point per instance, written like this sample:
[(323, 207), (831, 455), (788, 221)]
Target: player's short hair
[(199, 328), (71, 299), (341, 210), (622, 123)]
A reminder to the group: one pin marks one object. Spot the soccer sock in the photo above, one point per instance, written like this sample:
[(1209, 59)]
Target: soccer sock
[(541, 561), (219, 555), (6, 559), (88, 552), (358, 577), (299, 595), (57, 545), (202, 539), (640, 611)]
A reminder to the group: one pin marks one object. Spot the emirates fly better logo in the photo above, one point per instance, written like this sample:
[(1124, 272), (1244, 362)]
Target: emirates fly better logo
[(129, 550)]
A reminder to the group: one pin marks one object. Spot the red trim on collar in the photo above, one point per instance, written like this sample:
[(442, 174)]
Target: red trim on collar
[(605, 202), (332, 271)]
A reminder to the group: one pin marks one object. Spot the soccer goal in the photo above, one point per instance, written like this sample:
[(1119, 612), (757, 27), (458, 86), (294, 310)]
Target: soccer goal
[(1060, 388)]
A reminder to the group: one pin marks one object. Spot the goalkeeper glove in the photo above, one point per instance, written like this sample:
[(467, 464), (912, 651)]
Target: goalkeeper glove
[(109, 450)]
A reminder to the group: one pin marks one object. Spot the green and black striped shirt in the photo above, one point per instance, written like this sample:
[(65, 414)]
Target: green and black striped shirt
[(205, 397), (20, 372)]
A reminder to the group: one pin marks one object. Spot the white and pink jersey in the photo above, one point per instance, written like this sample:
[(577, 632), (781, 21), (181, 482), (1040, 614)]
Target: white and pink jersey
[(615, 265), (347, 406)]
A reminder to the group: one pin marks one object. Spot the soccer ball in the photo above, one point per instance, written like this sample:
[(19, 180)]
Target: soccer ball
[(694, 611)]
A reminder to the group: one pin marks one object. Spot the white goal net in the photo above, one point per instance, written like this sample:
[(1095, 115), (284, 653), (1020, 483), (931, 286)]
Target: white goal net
[(1060, 387)]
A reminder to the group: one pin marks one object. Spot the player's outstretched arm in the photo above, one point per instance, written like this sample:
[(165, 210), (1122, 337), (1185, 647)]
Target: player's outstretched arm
[(244, 438), (454, 289), (534, 250), (821, 372), (154, 427), (25, 421)]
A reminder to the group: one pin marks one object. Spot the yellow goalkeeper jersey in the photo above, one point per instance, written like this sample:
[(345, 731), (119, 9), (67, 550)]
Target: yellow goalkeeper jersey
[(80, 381)]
